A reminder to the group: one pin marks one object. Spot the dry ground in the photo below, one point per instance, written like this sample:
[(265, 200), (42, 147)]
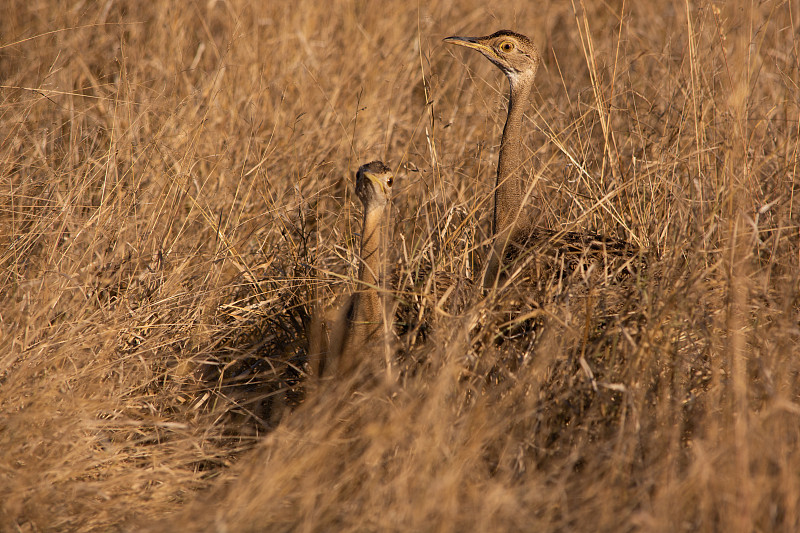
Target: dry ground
[(177, 215)]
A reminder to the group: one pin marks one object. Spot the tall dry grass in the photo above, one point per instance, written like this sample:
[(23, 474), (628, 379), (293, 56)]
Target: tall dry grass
[(177, 214)]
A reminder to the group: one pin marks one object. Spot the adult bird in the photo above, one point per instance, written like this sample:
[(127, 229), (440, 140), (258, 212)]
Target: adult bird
[(383, 291), (517, 57), (361, 320)]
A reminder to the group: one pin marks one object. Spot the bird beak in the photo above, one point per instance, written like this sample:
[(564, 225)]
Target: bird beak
[(376, 180), (469, 42)]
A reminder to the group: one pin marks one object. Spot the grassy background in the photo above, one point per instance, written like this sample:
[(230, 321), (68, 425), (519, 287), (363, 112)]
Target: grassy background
[(178, 219)]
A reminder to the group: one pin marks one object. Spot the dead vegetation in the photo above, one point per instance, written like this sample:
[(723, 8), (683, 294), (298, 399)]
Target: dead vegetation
[(177, 214)]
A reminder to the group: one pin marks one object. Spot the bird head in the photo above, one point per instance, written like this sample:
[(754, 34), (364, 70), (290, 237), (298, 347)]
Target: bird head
[(374, 184), (511, 52)]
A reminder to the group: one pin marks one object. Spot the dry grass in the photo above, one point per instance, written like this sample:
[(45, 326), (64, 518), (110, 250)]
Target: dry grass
[(177, 210)]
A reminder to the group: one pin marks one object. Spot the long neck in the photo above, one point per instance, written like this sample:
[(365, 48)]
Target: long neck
[(367, 318), (509, 191), (361, 321), (371, 240)]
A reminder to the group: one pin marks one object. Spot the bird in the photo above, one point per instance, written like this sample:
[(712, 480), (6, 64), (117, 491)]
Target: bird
[(519, 59), (382, 291), (360, 322)]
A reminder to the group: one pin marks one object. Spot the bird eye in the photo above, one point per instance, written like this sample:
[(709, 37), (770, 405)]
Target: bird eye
[(507, 46), (389, 181)]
